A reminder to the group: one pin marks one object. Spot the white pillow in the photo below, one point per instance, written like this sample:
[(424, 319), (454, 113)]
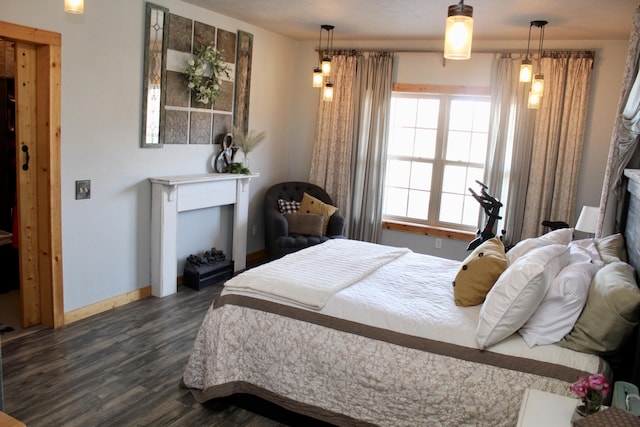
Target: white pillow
[(562, 304), (518, 292), (561, 236)]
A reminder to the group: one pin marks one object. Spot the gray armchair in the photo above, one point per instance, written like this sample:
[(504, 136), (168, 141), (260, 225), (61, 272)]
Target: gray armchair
[(277, 238)]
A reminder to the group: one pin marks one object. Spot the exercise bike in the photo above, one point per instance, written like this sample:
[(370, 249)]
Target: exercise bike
[(491, 207)]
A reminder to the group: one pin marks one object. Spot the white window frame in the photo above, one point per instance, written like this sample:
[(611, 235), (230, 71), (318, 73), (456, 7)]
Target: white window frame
[(446, 94)]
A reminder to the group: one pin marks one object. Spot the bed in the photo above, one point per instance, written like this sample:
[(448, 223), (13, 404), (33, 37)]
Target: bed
[(359, 334)]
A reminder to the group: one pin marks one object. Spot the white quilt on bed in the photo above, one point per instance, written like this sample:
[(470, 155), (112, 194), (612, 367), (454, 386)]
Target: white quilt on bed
[(406, 294), (312, 276)]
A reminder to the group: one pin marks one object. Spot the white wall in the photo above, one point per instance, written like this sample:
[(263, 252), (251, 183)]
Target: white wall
[(106, 240)]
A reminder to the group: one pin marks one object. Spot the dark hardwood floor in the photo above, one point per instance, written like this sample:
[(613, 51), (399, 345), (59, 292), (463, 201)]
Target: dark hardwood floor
[(122, 368)]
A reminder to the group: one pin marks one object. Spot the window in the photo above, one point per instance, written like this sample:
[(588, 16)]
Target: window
[(437, 149)]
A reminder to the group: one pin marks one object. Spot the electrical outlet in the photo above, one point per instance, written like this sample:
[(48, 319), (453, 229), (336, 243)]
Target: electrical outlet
[(254, 229), (438, 243), (83, 189)]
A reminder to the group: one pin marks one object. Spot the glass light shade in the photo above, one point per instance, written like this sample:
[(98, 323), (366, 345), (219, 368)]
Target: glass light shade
[(526, 70), (326, 66), (74, 6), (327, 93), (537, 86), (458, 32), (317, 77), (534, 101)]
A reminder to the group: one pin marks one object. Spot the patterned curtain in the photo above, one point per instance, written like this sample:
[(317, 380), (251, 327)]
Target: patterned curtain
[(331, 161), (558, 140), (624, 140)]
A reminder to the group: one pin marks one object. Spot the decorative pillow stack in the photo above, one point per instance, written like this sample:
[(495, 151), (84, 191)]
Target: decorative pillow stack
[(479, 272), (312, 205), (581, 295), (518, 292), (611, 313), (562, 304), (309, 217)]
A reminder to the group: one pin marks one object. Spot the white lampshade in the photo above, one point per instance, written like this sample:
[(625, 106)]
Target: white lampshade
[(588, 219), (74, 6), (458, 34)]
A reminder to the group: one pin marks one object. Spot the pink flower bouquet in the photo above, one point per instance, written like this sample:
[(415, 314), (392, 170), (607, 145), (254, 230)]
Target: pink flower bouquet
[(592, 390)]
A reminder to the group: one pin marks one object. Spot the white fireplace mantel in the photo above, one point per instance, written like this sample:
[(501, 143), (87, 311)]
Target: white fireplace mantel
[(171, 195)]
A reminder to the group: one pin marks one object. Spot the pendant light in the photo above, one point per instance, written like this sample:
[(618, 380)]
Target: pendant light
[(459, 31), (318, 78), (322, 72), (74, 6), (537, 86), (326, 54), (526, 68), (327, 93)]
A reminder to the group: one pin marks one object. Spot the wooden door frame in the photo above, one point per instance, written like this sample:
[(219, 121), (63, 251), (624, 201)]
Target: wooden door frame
[(38, 74)]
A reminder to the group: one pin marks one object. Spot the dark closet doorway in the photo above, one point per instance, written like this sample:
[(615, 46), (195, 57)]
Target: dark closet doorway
[(37, 133), (8, 250)]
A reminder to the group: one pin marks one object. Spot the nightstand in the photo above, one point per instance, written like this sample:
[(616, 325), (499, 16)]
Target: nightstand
[(541, 408)]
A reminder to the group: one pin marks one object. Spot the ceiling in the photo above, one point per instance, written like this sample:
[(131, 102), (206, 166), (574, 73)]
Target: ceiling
[(424, 19)]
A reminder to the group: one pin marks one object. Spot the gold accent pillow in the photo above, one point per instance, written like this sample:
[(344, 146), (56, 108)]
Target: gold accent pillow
[(479, 273), (311, 205)]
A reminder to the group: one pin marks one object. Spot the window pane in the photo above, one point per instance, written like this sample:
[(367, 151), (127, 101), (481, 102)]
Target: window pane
[(458, 146), (421, 175), (451, 208), (471, 211), (418, 204), (428, 111), (481, 116), (401, 141), (473, 175), (461, 115), (425, 146), (398, 173), (478, 148), (405, 111), (454, 179), (395, 201)]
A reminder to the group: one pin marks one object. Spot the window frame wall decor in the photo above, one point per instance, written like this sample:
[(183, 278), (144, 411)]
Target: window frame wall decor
[(188, 121), (154, 77), (438, 162)]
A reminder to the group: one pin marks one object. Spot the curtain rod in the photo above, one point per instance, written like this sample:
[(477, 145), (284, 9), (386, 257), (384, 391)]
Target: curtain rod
[(492, 51)]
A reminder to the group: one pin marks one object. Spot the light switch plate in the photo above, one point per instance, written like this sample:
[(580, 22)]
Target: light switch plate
[(83, 189)]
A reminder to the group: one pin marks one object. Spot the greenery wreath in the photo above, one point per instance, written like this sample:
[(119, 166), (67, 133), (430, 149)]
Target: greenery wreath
[(204, 72)]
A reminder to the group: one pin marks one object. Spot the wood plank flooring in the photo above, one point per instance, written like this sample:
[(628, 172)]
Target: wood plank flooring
[(123, 368)]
